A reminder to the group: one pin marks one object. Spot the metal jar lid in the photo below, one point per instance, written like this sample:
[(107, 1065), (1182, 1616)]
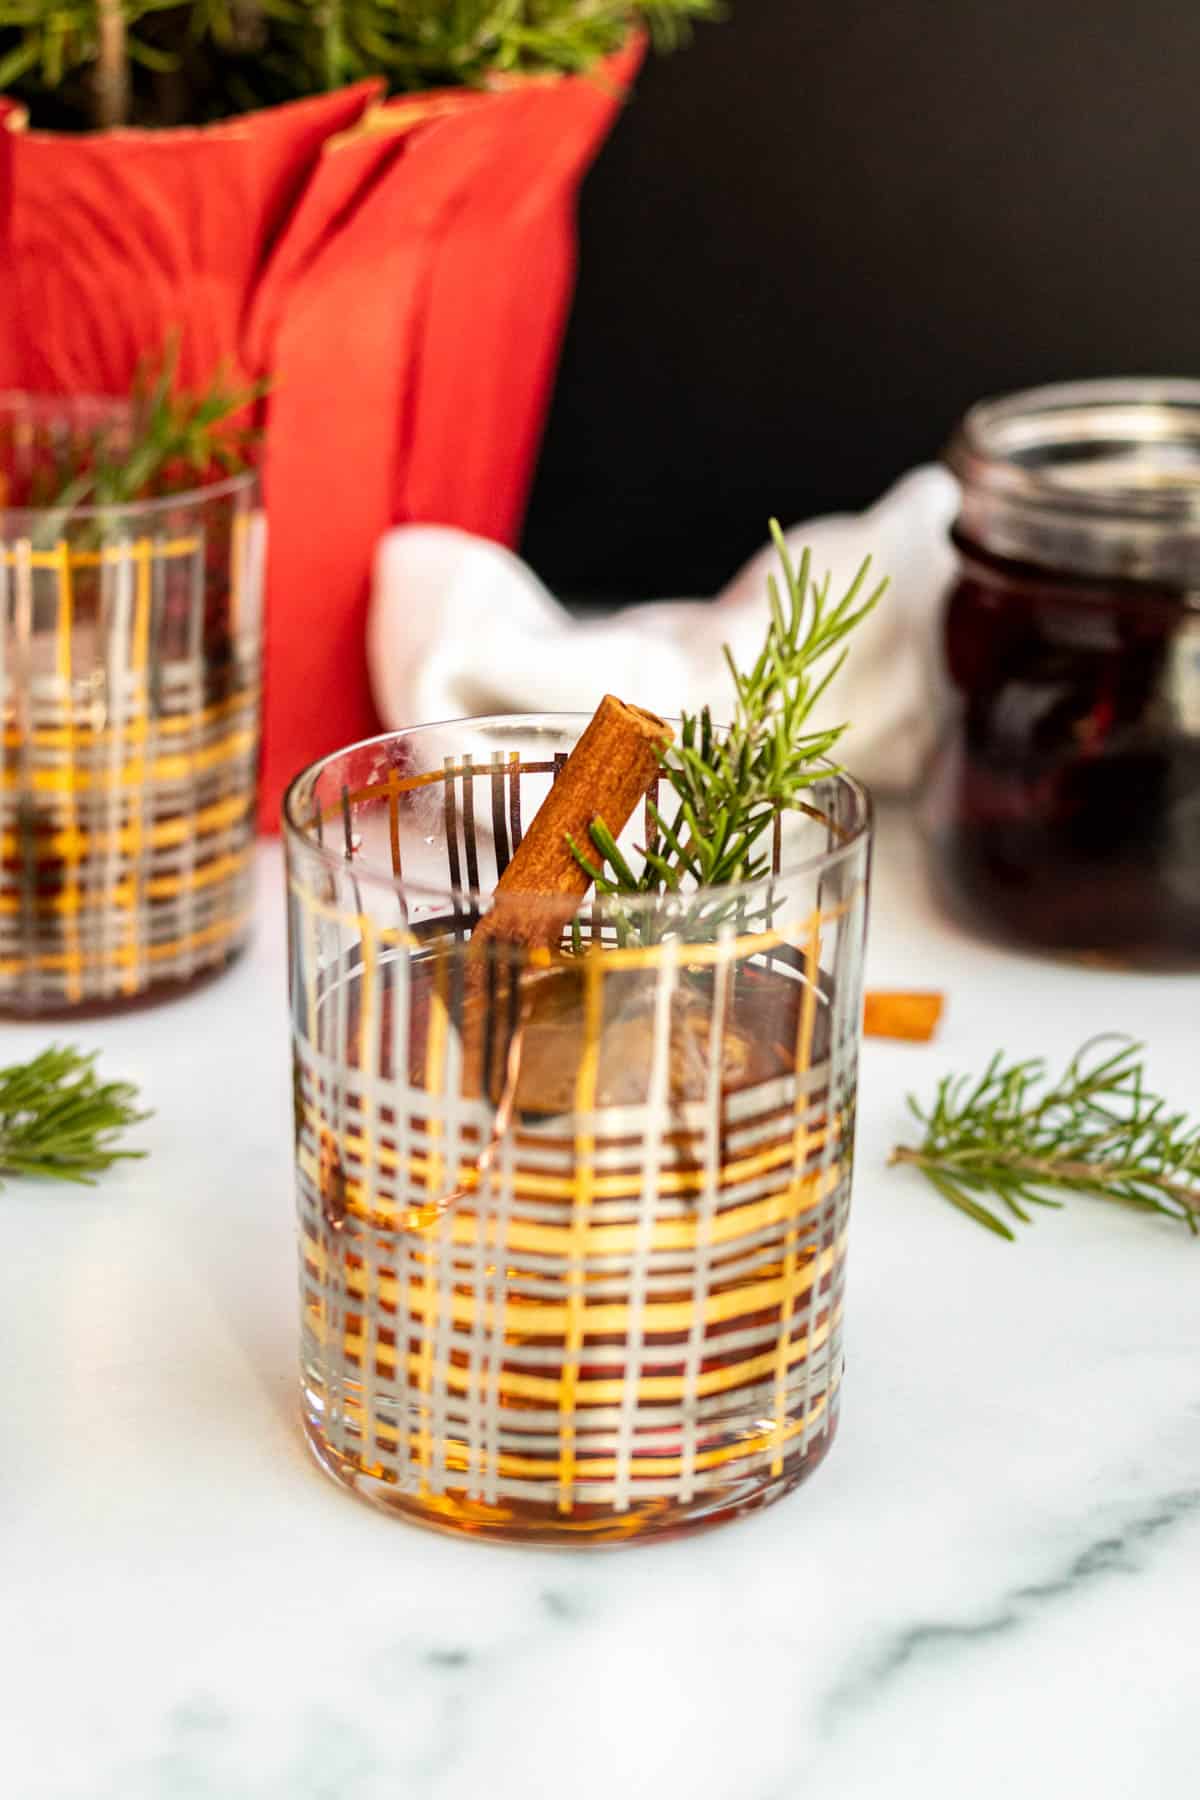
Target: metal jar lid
[(1090, 478)]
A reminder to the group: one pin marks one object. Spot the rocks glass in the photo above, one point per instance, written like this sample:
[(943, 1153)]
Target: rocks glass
[(572, 1221), (130, 649)]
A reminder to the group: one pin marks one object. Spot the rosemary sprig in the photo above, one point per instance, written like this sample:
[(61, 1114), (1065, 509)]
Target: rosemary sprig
[(58, 1120), (172, 441), (730, 786), (1096, 1130)]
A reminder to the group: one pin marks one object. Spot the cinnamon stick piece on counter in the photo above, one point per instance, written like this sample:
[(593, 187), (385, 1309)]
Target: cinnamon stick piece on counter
[(913, 1017), (605, 776)]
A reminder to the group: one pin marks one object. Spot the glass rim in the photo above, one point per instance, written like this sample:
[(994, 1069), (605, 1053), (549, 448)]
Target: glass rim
[(466, 899), (986, 449), (122, 510), (86, 408), (115, 406)]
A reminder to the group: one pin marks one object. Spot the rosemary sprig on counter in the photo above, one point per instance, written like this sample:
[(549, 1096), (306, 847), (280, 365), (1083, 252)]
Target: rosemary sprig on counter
[(1097, 1130), (729, 786), (58, 1120)]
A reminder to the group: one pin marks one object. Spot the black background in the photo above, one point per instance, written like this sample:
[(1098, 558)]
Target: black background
[(823, 230)]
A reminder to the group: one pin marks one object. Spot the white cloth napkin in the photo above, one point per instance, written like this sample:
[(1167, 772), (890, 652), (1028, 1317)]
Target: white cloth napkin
[(459, 627)]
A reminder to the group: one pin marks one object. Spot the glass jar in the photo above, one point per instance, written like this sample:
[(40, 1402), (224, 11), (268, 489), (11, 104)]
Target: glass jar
[(572, 1220), (130, 653), (1063, 803)]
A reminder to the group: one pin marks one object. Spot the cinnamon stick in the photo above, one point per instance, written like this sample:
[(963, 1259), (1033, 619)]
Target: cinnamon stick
[(605, 776)]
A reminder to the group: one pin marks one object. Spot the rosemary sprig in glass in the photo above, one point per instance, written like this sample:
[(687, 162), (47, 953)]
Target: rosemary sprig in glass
[(1097, 1130), (172, 441), (730, 786), (58, 1120)]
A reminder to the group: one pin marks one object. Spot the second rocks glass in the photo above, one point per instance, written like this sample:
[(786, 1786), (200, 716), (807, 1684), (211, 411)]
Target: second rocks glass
[(130, 651)]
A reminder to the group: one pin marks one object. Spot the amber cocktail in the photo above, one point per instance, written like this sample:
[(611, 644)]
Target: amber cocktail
[(572, 1218)]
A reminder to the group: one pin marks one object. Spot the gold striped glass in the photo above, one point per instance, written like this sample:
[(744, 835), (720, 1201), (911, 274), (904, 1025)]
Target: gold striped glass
[(572, 1221), (130, 651)]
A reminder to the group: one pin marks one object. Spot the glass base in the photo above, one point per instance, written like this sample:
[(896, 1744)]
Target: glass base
[(155, 993), (586, 1527)]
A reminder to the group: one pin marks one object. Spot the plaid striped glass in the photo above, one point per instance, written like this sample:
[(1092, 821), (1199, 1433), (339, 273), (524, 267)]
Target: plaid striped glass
[(130, 651), (572, 1221)]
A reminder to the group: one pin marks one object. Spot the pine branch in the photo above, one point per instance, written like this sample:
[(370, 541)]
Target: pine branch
[(103, 61), (58, 1121), (1096, 1131), (422, 45)]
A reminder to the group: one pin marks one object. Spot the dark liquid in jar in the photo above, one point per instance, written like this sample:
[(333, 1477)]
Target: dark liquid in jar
[(1064, 799)]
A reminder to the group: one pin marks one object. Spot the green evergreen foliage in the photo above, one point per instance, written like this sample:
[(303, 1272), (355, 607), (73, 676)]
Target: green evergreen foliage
[(1020, 1138), (86, 63), (60, 1122)]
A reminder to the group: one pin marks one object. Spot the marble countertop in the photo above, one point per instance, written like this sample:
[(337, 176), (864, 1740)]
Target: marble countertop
[(989, 1589)]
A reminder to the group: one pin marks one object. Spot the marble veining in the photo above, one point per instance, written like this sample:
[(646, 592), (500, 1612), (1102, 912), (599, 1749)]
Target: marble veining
[(1119, 1552)]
